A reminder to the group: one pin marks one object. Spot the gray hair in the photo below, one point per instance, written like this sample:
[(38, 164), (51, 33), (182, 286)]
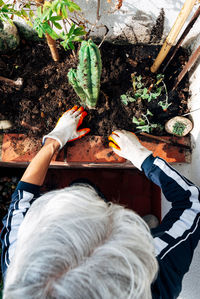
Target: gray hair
[(72, 244)]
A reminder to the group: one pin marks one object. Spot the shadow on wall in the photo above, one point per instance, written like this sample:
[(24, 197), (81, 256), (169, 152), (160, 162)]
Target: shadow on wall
[(130, 23), (136, 21)]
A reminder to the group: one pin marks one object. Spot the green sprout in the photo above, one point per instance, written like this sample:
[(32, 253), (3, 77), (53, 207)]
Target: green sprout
[(178, 128), (143, 123)]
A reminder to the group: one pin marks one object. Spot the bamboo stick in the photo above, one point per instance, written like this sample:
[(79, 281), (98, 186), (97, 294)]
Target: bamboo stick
[(181, 39), (187, 67), (183, 15)]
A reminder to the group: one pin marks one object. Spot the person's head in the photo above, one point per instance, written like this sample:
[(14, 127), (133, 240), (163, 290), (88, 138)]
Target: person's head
[(72, 244)]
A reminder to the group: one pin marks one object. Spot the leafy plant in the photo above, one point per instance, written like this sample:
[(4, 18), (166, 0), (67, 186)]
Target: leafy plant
[(141, 91), (179, 128), (144, 123), (86, 78), (45, 19), (72, 36)]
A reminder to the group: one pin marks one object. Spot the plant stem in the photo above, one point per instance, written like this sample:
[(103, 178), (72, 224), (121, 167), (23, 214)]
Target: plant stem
[(103, 39), (50, 41), (52, 46), (98, 9), (166, 100), (148, 122), (14, 2)]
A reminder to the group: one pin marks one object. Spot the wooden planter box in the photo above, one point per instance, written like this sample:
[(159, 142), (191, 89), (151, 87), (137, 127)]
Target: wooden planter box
[(18, 149)]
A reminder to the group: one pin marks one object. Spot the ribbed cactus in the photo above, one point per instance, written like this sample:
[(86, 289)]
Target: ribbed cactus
[(86, 78)]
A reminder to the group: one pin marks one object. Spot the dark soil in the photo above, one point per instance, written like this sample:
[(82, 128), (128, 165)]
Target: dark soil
[(46, 94)]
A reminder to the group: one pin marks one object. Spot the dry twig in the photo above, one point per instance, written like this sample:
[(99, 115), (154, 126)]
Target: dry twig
[(119, 4), (174, 143)]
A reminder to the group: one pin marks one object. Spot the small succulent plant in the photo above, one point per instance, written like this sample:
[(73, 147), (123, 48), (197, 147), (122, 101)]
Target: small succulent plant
[(178, 128)]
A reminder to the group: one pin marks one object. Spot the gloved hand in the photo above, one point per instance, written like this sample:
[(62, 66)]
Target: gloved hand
[(67, 125), (127, 145)]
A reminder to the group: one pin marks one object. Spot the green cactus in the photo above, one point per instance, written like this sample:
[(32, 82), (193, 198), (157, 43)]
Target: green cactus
[(86, 79)]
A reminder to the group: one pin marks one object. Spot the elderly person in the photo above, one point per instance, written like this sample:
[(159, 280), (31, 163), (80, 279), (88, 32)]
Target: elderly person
[(70, 243)]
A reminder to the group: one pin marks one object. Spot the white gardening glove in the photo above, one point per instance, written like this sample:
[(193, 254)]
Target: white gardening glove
[(66, 127), (127, 145)]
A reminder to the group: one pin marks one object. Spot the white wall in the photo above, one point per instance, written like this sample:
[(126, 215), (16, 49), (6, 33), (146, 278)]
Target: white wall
[(136, 18)]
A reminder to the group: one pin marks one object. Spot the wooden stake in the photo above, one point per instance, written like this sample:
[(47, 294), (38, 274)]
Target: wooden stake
[(187, 67), (181, 39), (183, 15)]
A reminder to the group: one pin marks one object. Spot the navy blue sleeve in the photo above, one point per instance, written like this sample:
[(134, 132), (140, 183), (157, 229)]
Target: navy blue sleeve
[(22, 199), (177, 236)]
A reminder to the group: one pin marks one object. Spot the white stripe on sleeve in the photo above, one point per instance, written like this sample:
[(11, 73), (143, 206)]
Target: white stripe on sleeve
[(187, 219)]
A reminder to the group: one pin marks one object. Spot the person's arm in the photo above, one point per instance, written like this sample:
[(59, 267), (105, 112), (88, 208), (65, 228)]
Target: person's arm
[(29, 186), (37, 169), (178, 234)]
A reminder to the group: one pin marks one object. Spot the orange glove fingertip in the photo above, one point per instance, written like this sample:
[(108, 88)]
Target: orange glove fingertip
[(81, 109), (83, 115), (115, 134), (111, 139), (113, 145)]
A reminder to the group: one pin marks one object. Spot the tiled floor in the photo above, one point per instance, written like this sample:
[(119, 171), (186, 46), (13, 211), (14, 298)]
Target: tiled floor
[(128, 187)]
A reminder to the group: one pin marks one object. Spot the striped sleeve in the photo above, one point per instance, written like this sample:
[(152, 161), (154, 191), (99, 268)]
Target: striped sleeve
[(22, 199), (177, 236)]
